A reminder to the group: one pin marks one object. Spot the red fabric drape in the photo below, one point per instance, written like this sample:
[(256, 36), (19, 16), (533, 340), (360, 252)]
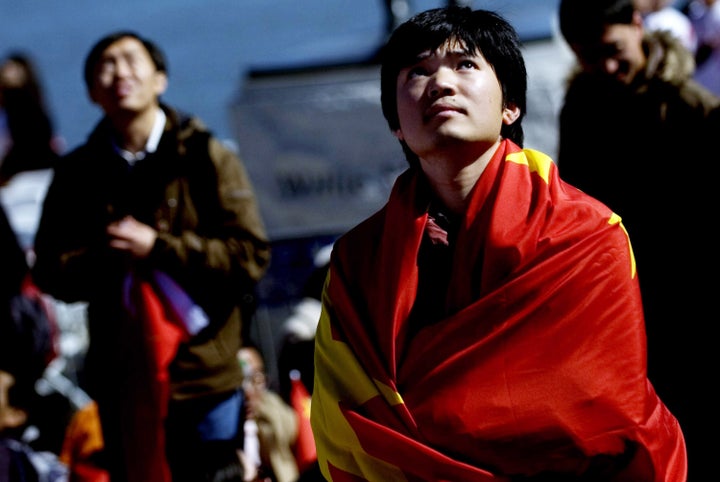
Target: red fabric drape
[(539, 366), (146, 403)]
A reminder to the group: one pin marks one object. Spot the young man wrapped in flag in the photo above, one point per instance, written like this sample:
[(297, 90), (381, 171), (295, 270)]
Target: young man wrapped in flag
[(486, 324)]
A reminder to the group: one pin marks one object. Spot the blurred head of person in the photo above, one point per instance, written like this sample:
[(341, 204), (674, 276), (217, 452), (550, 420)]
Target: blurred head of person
[(125, 73), (605, 35), (255, 379), (19, 77)]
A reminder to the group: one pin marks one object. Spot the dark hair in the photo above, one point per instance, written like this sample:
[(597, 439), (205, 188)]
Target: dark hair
[(99, 48), (583, 21), (481, 31)]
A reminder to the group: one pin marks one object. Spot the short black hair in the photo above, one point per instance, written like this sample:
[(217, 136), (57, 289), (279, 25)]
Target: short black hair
[(583, 21), (481, 31), (96, 52)]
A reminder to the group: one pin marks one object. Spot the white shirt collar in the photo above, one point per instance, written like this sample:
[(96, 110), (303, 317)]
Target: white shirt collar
[(152, 143)]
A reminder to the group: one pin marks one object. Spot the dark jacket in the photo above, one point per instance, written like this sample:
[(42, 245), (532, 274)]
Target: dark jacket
[(649, 151), (615, 138), (644, 150), (211, 240)]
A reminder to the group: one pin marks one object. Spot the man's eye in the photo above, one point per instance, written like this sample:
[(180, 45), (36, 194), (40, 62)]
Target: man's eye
[(416, 72), (467, 64)]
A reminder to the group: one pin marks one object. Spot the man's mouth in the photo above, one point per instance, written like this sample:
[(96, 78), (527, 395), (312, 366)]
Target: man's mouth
[(441, 109), (123, 90)]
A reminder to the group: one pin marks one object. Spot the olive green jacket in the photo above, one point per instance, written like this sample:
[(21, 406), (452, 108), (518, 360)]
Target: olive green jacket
[(211, 240)]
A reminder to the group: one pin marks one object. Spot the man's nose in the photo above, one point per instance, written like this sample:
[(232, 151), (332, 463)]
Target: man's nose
[(122, 68), (442, 82)]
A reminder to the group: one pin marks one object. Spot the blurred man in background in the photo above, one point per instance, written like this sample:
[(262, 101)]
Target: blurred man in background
[(638, 133)]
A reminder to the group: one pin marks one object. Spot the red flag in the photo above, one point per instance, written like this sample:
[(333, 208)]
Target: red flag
[(164, 316), (305, 453), (147, 403)]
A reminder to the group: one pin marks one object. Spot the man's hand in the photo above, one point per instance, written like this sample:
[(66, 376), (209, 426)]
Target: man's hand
[(132, 236)]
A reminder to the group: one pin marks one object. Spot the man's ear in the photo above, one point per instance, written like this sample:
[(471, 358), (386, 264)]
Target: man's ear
[(511, 112), (161, 83)]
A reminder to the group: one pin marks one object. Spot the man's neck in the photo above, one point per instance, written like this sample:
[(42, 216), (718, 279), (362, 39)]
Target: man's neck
[(133, 131), (452, 179)]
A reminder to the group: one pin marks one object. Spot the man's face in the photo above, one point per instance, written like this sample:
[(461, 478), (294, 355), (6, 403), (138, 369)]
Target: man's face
[(126, 79), (617, 53), (449, 98)]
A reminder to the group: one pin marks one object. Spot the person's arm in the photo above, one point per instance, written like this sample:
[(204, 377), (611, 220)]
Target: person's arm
[(229, 251)]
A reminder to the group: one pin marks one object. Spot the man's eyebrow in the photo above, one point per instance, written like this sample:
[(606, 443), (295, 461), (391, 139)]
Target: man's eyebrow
[(456, 52)]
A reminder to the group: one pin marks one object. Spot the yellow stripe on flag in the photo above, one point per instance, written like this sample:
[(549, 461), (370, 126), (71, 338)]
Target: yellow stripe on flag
[(535, 160), (334, 437)]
